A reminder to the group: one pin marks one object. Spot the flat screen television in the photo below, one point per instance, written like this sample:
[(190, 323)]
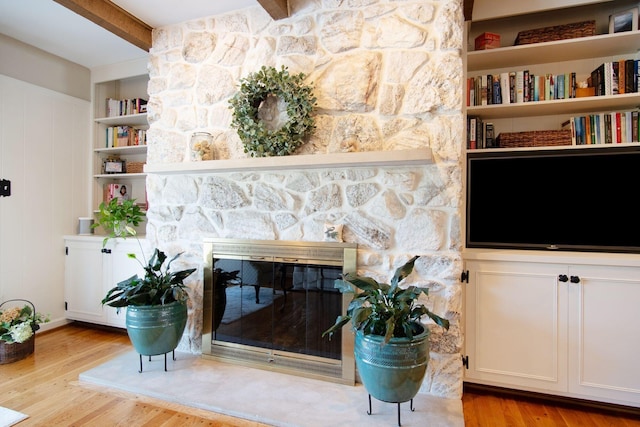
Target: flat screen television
[(559, 199)]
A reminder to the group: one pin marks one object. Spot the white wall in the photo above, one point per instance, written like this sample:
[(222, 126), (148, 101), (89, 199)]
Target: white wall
[(30, 64), (44, 152)]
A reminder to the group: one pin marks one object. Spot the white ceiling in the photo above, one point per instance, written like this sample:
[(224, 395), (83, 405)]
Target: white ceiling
[(53, 28)]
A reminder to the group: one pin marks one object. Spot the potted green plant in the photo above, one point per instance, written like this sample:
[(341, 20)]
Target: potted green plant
[(118, 218), (391, 343), (156, 303)]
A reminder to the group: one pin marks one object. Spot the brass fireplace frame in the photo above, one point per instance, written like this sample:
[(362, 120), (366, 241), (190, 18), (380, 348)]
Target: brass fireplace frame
[(327, 253)]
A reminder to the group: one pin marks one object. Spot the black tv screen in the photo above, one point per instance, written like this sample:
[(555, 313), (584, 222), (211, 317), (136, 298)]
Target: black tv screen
[(570, 199)]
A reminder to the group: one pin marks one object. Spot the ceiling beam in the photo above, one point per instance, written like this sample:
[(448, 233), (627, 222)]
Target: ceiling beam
[(277, 9), (112, 18), (468, 9)]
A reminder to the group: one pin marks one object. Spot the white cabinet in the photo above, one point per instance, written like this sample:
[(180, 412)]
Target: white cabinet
[(604, 327), (564, 324), (91, 270)]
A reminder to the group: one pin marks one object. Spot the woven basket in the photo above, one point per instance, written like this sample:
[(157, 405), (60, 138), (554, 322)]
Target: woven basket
[(558, 32), (135, 167), (538, 138), (12, 352)]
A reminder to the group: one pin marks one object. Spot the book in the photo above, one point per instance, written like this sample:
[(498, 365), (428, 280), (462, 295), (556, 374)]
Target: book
[(630, 78), (622, 76), (497, 90), (472, 143), (614, 77), (504, 88), (489, 135), (607, 129), (526, 84), (512, 87), (122, 139), (559, 86), (519, 86), (580, 130)]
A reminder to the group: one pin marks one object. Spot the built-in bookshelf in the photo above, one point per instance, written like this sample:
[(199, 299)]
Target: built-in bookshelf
[(577, 57), (119, 137)]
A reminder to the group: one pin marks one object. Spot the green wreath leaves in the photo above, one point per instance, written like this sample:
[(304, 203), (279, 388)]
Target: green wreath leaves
[(254, 89)]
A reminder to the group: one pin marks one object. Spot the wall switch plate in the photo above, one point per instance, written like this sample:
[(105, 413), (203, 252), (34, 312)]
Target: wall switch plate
[(5, 187)]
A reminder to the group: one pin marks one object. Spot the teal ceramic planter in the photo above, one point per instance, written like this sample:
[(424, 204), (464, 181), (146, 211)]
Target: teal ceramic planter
[(156, 329), (392, 372)]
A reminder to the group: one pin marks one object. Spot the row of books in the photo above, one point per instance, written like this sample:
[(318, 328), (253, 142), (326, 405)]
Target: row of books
[(123, 107), (480, 134), (519, 86), (616, 77), (124, 136), (512, 87), (604, 128)]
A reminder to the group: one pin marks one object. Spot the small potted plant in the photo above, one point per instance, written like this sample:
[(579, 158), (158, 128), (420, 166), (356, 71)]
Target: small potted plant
[(18, 326), (118, 218), (156, 303), (391, 344)]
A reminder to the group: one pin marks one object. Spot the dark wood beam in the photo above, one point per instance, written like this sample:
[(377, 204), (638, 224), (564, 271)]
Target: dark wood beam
[(277, 9), (468, 9), (112, 18)]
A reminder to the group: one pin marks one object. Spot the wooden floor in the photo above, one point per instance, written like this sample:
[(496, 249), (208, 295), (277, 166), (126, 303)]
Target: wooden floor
[(45, 386)]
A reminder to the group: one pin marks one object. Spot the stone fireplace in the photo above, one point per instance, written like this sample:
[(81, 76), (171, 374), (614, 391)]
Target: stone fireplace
[(388, 77)]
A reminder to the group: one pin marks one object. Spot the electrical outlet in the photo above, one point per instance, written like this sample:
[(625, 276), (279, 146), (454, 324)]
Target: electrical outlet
[(5, 187)]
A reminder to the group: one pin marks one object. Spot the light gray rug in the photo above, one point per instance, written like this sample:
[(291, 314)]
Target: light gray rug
[(9, 417), (264, 396)]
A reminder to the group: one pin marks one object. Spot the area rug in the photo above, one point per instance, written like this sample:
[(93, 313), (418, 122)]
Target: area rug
[(242, 302), (9, 417), (268, 397)]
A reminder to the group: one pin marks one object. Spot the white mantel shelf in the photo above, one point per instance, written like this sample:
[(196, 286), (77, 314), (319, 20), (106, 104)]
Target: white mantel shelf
[(420, 156)]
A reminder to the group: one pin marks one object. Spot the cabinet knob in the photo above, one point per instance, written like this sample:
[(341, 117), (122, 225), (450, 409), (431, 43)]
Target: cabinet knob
[(105, 251), (575, 279), (563, 278)]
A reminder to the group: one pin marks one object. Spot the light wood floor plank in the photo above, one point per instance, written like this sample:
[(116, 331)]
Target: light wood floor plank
[(45, 386)]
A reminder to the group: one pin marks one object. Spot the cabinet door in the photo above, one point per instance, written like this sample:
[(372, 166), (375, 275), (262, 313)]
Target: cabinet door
[(83, 281), (603, 332), (118, 267), (516, 325)]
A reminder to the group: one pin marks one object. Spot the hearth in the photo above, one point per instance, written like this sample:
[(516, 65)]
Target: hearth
[(266, 304)]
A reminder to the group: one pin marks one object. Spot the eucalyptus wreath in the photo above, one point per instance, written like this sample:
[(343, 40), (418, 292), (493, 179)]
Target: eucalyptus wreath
[(258, 140)]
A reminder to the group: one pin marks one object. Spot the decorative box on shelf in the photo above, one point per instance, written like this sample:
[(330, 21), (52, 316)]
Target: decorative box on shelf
[(538, 138), (487, 41), (557, 32)]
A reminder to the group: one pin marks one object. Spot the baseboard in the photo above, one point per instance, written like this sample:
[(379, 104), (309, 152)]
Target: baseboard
[(581, 404)]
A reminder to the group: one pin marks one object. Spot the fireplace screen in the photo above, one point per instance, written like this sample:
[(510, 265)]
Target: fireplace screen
[(268, 302)]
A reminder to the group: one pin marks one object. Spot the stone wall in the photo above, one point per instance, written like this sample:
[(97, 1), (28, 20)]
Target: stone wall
[(388, 76)]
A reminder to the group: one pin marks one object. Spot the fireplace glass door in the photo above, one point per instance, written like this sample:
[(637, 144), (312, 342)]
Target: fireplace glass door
[(277, 304)]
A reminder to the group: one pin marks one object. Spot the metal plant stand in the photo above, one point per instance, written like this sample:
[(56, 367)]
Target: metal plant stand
[(173, 355), (369, 412)]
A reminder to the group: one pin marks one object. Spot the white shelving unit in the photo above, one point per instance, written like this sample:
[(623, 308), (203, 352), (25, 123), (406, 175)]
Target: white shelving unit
[(580, 55), (557, 346), (118, 87)]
